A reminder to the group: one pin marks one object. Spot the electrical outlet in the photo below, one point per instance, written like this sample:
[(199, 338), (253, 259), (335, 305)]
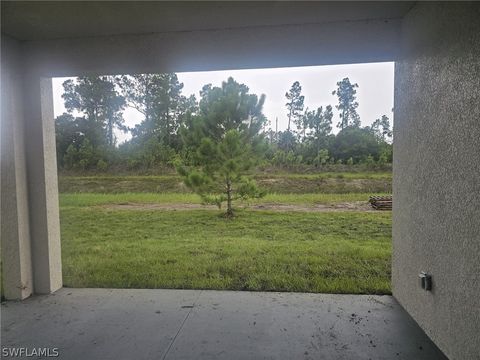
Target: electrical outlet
[(425, 281)]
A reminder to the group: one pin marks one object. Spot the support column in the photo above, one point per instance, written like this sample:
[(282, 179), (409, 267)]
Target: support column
[(15, 233), (42, 185)]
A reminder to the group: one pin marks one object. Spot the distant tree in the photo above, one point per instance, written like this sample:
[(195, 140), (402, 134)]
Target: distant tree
[(386, 154), (381, 128), (319, 124), (159, 98), (322, 157), (102, 165), (225, 141), (271, 136), (295, 105), (303, 124), (346, 93), (286, 158), (355, 143), (369, 160), (80, 156), (69, 131), (86, 154), (286, 140), (96, 98), (140, 92)]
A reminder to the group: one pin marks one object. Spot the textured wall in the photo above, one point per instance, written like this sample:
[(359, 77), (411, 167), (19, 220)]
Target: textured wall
[(436, 217), (15, 232)]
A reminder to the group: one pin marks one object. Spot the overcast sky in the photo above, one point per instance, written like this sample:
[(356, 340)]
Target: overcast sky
[(375, 92)]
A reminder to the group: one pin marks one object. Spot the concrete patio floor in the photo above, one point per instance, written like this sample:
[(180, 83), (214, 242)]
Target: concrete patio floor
[(196, 324)]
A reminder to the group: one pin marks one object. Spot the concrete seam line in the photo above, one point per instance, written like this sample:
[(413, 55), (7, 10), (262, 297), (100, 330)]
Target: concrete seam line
[(181, 326)]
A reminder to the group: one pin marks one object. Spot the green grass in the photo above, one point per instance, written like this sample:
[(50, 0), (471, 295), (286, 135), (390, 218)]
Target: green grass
[(270, 251), (121, 184), (333, 252), (330, 175), (92, 199), (314, 199), (327, 182)]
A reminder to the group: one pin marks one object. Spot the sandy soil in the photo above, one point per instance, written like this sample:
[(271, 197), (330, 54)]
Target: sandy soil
[(348, 206)]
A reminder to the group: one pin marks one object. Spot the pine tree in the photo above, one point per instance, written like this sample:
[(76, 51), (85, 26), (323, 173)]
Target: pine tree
[(319, 124), (381, 128), (159, 98), (294, 104), (347, 105), (224, 140), (97, 99)]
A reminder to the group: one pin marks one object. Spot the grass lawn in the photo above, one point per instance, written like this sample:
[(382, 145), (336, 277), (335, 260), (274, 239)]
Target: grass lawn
[(334, 252), (91, 199), (284, 183)]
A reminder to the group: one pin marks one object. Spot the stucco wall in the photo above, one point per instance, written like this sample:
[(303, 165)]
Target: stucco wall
[(436, 215), (15, 232)]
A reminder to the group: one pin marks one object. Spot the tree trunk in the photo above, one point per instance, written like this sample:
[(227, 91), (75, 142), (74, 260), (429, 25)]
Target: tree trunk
[(110, 132), (229, 199), (289, 118)]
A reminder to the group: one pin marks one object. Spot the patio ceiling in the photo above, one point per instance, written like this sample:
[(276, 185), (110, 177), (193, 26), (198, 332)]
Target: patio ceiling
[(32, 20)]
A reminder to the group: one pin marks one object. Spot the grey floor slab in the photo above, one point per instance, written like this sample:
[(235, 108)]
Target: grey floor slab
[(194, 324)]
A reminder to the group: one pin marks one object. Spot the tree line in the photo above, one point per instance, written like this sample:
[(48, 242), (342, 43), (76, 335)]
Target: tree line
[(174, 126)]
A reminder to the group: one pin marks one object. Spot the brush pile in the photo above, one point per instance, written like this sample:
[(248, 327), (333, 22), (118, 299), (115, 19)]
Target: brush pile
[(381, 202)]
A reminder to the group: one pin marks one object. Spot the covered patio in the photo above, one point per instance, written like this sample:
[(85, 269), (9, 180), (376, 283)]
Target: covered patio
[(204, 324), (436, 49)]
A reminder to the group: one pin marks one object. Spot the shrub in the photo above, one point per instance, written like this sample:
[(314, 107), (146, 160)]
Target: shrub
[(102, 165)]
